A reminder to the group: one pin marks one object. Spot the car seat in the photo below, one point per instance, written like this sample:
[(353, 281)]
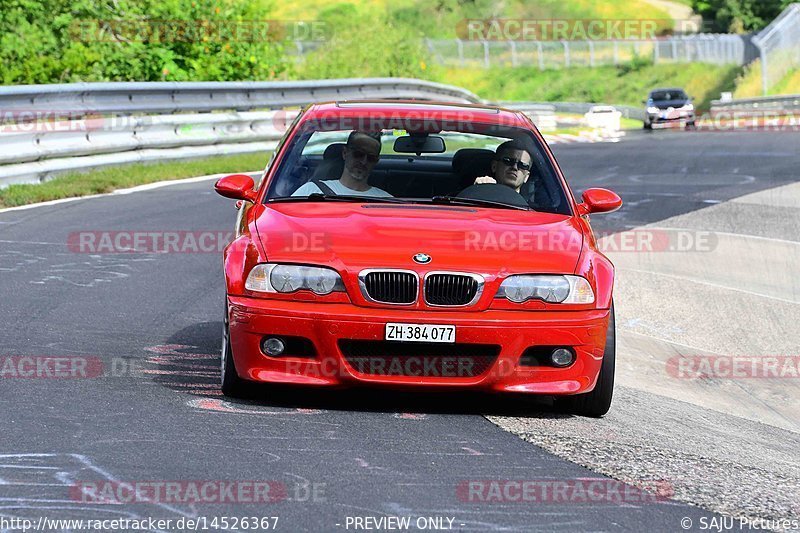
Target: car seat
[(332, 163), (471, 163)]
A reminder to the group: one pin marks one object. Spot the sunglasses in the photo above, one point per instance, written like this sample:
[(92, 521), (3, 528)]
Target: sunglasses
[(361, 154), (511, 162)]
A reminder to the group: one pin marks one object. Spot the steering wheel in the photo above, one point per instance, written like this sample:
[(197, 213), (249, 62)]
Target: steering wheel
[(494, 192)]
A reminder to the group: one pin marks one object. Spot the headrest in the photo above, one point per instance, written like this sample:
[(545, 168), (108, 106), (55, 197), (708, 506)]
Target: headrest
[(473, 162), (333, 151)]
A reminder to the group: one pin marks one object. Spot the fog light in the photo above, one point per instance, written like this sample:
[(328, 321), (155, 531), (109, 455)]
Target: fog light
[(562, 357), (272, 346)]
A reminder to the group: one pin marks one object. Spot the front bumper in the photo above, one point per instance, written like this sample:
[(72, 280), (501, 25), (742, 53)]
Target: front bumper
[(671, 117), (326, 324)]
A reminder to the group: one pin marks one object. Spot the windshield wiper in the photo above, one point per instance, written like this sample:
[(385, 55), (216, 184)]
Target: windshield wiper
[(320, 197), (455, 200)]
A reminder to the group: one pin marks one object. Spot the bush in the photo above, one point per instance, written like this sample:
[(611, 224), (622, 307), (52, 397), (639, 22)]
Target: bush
[(47, 41), (739, 16)]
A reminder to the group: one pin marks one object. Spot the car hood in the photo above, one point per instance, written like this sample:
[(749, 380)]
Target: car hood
[(666, 104), (352, 236)]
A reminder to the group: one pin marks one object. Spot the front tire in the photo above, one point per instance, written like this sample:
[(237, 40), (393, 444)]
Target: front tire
[(596, 403), (232, 384)]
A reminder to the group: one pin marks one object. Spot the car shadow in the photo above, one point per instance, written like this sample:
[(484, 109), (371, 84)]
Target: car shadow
[(189, 363)]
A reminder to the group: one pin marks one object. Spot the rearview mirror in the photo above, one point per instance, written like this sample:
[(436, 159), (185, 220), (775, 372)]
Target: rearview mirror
[(236, 186), (419, 144), (599, 201)]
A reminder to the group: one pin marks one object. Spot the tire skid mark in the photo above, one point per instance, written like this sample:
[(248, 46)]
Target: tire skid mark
[(222, 406)]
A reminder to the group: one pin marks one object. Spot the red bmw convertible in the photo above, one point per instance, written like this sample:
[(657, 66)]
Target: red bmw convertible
[(418, 245)]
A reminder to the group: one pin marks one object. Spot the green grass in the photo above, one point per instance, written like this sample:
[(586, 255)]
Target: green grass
[(748, 85), (444, 19), (629, 123), (112, 178), (627, 85), (790, 84)]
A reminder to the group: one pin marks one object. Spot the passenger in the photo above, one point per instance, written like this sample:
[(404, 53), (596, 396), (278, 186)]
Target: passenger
[(511, 166), (360, 154)]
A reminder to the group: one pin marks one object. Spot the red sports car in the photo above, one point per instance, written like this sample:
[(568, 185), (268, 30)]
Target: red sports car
[(418, 245)]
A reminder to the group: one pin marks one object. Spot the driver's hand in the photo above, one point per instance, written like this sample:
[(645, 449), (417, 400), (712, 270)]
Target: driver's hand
[(485, 179)]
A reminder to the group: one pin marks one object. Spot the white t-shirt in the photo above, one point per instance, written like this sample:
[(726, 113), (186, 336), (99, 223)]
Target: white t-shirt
[(337, 187)]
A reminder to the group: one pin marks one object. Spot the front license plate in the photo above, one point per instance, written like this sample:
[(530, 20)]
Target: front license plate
[(420, 333)]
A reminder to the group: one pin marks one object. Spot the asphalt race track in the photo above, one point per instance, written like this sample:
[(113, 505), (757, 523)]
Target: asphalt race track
[(156, 320)]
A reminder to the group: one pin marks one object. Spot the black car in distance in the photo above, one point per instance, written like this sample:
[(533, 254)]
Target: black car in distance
[(668, 106)]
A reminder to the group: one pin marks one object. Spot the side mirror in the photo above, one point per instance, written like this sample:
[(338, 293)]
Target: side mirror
[(236, 186), (599, 201)]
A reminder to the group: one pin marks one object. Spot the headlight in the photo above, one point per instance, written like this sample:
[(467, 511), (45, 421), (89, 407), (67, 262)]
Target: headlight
[(269, 277), (551, 289), (688, 107), (652, 109)]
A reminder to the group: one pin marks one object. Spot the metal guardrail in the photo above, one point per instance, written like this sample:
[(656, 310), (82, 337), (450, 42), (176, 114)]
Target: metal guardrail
[(762, 103), (173, 97), (543, 115), (120, 134), (112, 131), (94, 143)]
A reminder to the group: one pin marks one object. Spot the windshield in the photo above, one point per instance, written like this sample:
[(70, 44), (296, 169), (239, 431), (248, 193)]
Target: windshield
[(663, 96), (467, 164)]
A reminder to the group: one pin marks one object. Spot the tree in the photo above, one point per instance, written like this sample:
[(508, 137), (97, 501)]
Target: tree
[(739, 16)]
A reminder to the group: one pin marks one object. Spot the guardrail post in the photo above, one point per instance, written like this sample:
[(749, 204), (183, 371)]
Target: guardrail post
[(566, 54), (460, 52), (513, 46), (764, 74), (541, 54), (486, 61), (591, 53), (616, 53), (655, 51)]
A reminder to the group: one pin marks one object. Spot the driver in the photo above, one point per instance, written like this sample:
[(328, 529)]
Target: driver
[(360, 154), (511, 166)]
